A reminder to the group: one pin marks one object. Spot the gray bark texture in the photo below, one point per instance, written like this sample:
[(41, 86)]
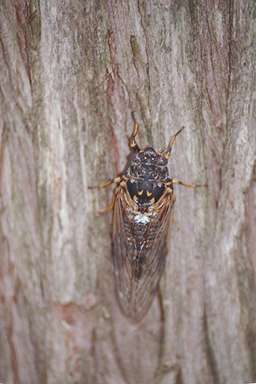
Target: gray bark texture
[(71, 72)]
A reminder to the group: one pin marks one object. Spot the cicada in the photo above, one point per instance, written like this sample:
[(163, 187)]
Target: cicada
[(142, 203)]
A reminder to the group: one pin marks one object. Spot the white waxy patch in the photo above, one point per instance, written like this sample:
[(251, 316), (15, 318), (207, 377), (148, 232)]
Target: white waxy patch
[(141, 219)]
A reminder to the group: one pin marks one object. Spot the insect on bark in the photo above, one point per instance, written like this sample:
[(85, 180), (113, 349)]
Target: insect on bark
[(142, 203)]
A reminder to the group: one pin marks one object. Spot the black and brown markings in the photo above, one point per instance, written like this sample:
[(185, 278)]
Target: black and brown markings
[(142, 203)]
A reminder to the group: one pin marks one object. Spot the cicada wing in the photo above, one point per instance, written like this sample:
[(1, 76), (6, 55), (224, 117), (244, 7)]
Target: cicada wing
[(139, 253), (122, 250)]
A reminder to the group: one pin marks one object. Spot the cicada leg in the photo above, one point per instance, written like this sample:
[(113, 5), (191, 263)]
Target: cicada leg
[(131, 140), (187, 185), (108, 208), (167, 152), (106, 183)]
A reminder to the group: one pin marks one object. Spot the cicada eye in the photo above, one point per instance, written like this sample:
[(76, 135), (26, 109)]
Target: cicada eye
[(162, 160)]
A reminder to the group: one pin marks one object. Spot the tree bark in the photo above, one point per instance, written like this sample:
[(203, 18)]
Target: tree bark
[(71, 73)]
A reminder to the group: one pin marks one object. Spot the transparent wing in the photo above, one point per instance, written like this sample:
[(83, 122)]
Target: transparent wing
[(139, 253)]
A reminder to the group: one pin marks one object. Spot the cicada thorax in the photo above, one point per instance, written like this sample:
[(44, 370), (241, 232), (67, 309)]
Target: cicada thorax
[(147, 173)]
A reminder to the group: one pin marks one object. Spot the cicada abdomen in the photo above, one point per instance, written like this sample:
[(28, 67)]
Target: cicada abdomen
[(142, 204)]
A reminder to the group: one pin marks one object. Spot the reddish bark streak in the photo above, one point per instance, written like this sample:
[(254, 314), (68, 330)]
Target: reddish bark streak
[(21, 8), (8, 273), (116, 151), (71, 312), (112, 52), (2, 148), (111, 93), (14, 362)]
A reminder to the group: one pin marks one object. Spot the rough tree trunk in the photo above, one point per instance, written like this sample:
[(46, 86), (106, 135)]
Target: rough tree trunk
[(71, 72)]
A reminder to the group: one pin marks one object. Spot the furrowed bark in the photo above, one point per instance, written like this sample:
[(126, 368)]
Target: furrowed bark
[(71, 74)]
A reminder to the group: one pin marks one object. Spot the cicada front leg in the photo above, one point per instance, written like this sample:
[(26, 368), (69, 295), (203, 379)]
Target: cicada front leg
[(132, 139), (106, 184)]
